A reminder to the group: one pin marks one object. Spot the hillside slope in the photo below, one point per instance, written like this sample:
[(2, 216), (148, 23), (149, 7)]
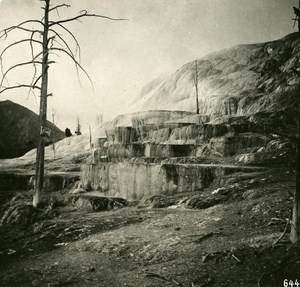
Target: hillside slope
[(236, 81), (243, 80), (19, 130)]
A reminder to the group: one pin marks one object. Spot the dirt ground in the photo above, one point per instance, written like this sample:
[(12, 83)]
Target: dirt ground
[(242, 241)]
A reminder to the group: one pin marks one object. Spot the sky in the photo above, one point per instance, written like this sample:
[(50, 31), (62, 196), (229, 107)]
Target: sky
[(122, 56)]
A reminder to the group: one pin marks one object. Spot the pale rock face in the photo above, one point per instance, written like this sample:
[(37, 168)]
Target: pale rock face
[(238, 87), (236, 81), (233, 83), (135, 181)]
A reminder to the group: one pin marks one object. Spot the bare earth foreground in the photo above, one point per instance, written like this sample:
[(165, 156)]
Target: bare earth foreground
[(240, 240)]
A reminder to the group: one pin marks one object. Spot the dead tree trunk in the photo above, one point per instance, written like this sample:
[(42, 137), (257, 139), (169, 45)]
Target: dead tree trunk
[(52, 42), (78, 128), (91, 144), (52, 133), (40, 155), (295, 225), (297, 16), (196, 86)]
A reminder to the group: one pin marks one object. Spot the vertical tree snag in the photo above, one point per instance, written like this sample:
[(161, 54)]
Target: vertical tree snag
[(47, 35), (53, 126), (295, 224), (297, 16), (91, 141), (195, 78), (78, 127), (99, 119), (40, 154)]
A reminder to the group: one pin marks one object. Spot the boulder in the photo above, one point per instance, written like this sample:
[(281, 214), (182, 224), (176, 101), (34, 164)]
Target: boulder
[(97, 203), (157, 201), (202, 202)]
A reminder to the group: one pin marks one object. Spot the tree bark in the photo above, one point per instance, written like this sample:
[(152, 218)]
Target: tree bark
[(52, 131), (40, 155), (196, 87), (295, 228)]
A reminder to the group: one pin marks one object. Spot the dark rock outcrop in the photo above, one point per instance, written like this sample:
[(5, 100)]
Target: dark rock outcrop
[(19, 130)]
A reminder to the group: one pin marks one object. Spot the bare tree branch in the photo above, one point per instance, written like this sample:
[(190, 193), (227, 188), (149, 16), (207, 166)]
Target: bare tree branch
[(69, 49), (75, 62), (71, 52), (50, 51), (78, 48), (14, 44), (63, 41), (59, 6), (33, 62), (36, 81), (16, 66), (19, 42), (73, 37), (33, 57), (6, 31), (84, 13), (19, 86)]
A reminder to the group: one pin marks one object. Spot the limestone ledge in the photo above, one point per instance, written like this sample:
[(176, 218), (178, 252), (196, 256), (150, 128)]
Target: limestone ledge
[(134, 181)]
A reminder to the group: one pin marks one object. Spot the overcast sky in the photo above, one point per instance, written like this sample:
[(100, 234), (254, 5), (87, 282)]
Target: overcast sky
[(120, 57)]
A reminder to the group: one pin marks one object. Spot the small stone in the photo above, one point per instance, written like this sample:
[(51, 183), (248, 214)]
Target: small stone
[(91, 269), (11, 251), (78, 190)]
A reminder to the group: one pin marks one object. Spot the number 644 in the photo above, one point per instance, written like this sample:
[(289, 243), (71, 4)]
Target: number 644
[(290, 283)]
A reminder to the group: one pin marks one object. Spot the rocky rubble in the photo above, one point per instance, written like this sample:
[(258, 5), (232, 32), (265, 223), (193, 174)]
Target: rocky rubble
[(19, 211), (95, 203)]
